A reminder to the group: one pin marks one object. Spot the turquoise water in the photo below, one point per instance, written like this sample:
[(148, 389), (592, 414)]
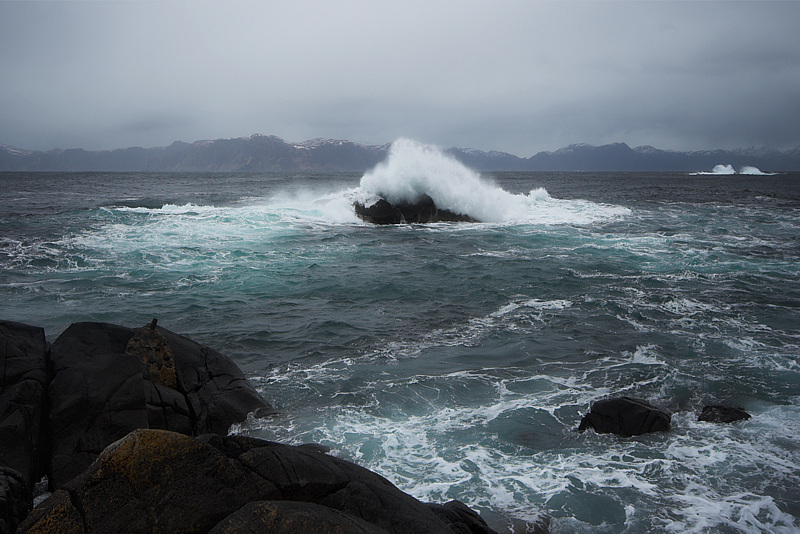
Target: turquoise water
[(458, 359)]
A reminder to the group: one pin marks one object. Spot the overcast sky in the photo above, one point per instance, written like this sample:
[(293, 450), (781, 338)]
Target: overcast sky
[(520, 77)]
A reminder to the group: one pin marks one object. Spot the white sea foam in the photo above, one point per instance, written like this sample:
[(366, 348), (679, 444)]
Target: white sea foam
[(701, 451), (647, 355), (534, 304), (686, 307), (692, 473), (507, 318)]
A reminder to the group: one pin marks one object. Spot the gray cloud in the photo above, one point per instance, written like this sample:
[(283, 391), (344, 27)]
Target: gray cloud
[(518, 76)]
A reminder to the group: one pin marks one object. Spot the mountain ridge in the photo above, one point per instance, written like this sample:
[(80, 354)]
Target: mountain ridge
[(270, 153)]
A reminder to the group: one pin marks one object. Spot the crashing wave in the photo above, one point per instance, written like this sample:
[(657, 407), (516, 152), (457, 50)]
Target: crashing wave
[(420, 183)]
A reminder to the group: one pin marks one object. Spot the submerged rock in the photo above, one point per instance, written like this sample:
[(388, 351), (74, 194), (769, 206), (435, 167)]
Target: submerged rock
[(625, 416), (161, 481), (722, 414), (422, 210)]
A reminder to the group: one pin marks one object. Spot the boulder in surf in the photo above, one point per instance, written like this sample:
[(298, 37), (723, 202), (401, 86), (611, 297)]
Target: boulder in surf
[(421, 210), (717, 413), (625, 416)]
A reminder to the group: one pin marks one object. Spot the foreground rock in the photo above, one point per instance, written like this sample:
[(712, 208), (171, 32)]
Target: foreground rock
[(15, 500), (291, 516), (161, 481), (23, 443), (422, 210), (722, 414), (109, 380), (23, 352), (626, 417)]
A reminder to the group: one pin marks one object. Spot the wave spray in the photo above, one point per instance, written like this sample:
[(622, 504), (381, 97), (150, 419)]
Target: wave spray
[(413, 169)]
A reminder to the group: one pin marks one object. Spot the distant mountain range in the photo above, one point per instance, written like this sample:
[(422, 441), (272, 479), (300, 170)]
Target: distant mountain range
[(269, 153)]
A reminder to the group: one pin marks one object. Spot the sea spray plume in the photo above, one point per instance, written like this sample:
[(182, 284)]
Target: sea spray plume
[(423, 175), (747, 169), (413, 170), (717, 170), (723, 169)]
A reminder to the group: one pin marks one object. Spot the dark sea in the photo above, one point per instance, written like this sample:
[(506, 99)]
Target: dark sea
[(457, 359)]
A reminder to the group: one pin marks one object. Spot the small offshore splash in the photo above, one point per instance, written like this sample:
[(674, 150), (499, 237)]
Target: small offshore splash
[(723, 170), (414, 170), (754, 170)]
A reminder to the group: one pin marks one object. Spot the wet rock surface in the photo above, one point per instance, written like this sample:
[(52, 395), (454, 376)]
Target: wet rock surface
[(625, 416), (722, 414), (422, 210), (15, 500), (23, 351)]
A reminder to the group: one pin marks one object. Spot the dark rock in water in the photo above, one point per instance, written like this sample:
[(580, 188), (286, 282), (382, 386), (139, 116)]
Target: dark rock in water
[(15, 500), (382, 212), (23, 352), (722, 414), (290, 517), (109, 380), (161, 481), (625, 416), (423, 210)]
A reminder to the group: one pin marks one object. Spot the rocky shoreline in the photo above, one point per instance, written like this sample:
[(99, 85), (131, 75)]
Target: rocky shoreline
[(129, 428)]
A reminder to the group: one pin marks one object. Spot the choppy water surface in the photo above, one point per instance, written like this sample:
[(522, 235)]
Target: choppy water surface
[(458, 359)]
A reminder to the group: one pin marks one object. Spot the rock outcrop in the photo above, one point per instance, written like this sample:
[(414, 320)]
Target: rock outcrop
[(15, 500), (626, 417), (422, 210), (61, 406), (23, 352), (109, 380), (162, 481), (716, 413), (289, 517), (23, 412)]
